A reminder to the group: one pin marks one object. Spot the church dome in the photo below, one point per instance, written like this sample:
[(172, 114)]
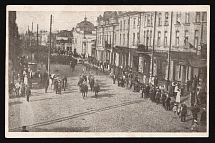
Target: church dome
[(86, 26)]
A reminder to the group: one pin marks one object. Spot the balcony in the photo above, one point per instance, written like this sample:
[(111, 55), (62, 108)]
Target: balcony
[(112, 21), (107, 46), (143, 49)]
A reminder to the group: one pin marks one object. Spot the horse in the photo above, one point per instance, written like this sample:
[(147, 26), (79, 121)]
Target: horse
[(84, 89)]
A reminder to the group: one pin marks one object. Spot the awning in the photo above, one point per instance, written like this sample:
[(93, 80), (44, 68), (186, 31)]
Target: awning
[(181, 56), (121, 49), (161, 55), (198, 63)]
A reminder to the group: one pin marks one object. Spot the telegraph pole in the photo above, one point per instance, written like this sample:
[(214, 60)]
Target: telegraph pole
[(153, 48), (49, 54), (37, 36), (170, 45), (31, 41)]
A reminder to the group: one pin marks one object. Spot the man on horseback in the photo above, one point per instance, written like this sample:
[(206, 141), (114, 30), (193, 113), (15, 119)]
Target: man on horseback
[(84, 89), (80, 80), (85, 77)]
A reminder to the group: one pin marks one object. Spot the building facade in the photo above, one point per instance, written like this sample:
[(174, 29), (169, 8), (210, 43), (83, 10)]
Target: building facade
[(155, 43), (83, 35)]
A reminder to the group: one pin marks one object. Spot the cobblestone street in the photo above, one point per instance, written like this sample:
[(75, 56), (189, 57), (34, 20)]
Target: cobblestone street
[(117, 109)]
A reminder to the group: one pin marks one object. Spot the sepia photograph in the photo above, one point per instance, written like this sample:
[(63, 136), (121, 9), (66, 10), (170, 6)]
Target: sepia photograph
[(107, 71)]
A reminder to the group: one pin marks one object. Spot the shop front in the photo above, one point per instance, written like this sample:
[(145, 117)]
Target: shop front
[(121, 56), (181, 70), (160, 64), (199, 67), (144, 62)]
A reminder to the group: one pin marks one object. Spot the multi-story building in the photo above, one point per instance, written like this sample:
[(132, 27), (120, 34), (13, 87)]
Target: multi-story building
[(106, 26), (145, 46), (64, 40), (13, 48), (187, 40), (162, 44), (156, 43), (121, 47), (134, 38)]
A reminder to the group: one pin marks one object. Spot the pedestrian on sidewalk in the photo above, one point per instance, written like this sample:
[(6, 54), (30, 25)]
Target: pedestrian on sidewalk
[(174, 109), (203, 118), (167, 102), (50, 82), (163, 98), (147, 88), (183, 112), (22, 89), (195, 111), (114, 78), (178, 96), (46, 85), (195, 82), (153, 92), (192, 96), (156, 80), (195, 126), (175, 90), (143, 91), (158, 95), (179, 110), (64, 80), (28, 92)]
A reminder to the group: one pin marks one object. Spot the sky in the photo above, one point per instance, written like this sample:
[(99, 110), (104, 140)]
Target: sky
[(62, 20)]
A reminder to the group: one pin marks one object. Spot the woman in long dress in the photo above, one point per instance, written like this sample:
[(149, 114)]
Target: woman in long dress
[(178, 98)]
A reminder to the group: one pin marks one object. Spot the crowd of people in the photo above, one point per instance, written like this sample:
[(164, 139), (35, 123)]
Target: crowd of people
[(158, 93)]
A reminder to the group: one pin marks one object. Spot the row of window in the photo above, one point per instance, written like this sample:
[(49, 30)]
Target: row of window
[(147, 39), (166, 21), (186, 40), (148, 20), (187, 17)]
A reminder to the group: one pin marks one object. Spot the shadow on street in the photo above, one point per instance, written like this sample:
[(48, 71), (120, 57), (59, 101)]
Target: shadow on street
[(62, 129), (78, 115), (14, 103)]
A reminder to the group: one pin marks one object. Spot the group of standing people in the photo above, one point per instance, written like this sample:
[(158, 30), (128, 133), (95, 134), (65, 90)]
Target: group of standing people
[(23, 83), (55, 82)]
